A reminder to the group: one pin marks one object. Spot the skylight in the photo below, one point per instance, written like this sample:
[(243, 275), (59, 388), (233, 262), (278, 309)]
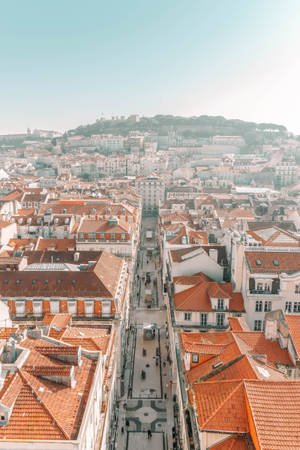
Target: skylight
[(258, 262), (275, 262)]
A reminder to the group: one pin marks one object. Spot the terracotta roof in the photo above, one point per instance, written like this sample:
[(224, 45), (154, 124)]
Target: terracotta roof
[(262, 346), (103, 226), (88, 338), (197, 298), (44, 409), (57, 244), (238, 324), (221, 406), (231, 443), (263, 262), (57, 320), (274, 407), (248, 368), (294, 328), (191, 280), (99, 281), (235, 213), (20, 244), (229, 353)]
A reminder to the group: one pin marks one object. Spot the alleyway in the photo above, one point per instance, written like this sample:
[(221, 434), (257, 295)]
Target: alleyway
[(146, 409)]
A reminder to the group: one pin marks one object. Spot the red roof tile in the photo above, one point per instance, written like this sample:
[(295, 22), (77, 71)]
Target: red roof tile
[(294, 327), (275, 407), (288, 262), (221, 406)]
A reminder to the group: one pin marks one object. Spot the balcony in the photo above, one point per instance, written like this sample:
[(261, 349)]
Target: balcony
[(263, 292)]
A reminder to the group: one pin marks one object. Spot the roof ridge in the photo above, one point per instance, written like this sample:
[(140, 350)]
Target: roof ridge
[(240, 383), (43, 403)]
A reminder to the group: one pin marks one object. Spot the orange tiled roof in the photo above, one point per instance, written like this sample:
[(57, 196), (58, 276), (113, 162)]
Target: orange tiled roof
[(274, 408), (262, 346), (294, 327), (191, 280), (57, 320), (42, 409), (221, 406), (229, 353), (288, 262), (231, 443), (238, 324), (197, 298), (58, 244)]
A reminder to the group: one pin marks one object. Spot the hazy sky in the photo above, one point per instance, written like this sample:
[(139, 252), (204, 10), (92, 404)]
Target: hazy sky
[(64, 63)]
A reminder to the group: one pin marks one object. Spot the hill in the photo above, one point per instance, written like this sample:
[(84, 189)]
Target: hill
[(202, 126)]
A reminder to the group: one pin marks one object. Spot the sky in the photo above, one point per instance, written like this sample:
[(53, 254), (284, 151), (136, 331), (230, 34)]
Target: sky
[(68, 62)]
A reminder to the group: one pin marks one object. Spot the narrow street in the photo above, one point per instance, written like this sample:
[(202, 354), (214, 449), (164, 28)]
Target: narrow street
[(146, 416)]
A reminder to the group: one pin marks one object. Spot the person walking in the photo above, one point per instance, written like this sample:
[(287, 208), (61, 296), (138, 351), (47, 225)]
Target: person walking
[(149, 434)]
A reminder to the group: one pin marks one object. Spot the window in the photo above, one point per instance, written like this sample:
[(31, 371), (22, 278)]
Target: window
[(288, 307), (257, 325), (2, 418), (195, 358), (259, 286), (54, 306), (220, 319), (72, 306), (203, 319), (92, 236), (221, 303), (113, 236), (258, 306), (268, 306), (296, 307), (297, 289), (187, 316), (106, 308), (102, 235)]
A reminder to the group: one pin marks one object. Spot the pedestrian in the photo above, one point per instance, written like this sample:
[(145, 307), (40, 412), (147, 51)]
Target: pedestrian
[(149, 434), (122, 430), (165, 395), (127, 423)]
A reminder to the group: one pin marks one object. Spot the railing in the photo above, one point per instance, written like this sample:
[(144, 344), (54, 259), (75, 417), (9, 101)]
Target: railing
[(208, 326), (263, 292)]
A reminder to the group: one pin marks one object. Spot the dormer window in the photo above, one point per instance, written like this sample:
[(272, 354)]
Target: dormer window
[(275, 262), (258, 262)]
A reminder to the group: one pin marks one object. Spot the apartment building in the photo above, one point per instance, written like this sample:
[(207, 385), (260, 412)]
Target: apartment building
[(56, 392), (271, 281), (152, 191), (87, 286), (112, 235)]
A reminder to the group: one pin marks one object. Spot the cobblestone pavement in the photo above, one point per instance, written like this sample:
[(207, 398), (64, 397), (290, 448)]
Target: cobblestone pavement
[(146, 409)]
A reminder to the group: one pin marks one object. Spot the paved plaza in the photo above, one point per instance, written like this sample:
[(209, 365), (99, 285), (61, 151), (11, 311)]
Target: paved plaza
[(148, 402)]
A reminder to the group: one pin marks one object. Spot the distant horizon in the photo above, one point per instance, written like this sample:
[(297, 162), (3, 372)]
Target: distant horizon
[(107, 118)]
